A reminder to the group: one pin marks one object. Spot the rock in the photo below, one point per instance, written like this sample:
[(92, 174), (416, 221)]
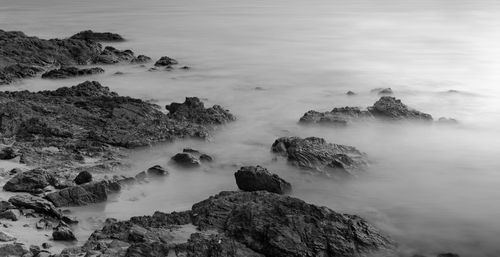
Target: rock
[(316, 154), (206, 158), (46, 245), (256, 178), (11, 214), (70, 72), (5, 205), (98, 36), (141, 176), (4, 237), (12, 250), (388, 107), (193, 110), (350, 93), (246, 224), (83, 177), (140, 59), (447, 121), (186, 160), (165, 61), (84, 194), (43, 224), (111, 55), (185, 68), (35, 249), (8, 153), (338, 116), (30, 181), (63, 233), (382, 91), (36, 203), (157, 171), (23, 56)]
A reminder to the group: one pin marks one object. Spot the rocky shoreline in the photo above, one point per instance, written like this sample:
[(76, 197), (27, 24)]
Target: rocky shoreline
[(68, 135)]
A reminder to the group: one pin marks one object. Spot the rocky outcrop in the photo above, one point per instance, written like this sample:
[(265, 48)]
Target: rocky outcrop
[(193, 110), (316, 154), (89, 193), (157, 171), (83, 177), (243, 224), (36, 203), (186, 160), (90, 121), (98, 36), (13, 250), (386, 108), (165, 61), (256, 178), (111, 55), (30, 181), (63, 233), (69, 72), (140, 59)]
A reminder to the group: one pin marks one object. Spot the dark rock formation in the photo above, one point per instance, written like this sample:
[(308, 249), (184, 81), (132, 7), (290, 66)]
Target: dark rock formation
[(22, 56), (98, 36), (385, 108), (69, 72), (141, 59), (243, 224), (388, 107), (157, 171), (256, 178), (63, 233), (5, 205), (193, 110), (315, 153), (186, 160), (12, 250), (111, 55), (8, 153), (350, 93), (83, 177), (165, 61), (89, 193), (36, 203), (11, 214), (30, 181)]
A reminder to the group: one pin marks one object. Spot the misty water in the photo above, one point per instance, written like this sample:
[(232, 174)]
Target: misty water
[(433, 188)]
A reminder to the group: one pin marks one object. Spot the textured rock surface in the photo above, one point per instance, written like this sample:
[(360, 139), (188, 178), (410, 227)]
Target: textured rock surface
[(243, 224), (391, 108), (193, 110), (256, 178), (93, 192), (30, 181), (83, 177), (165, 61), (338, 116), (63, 233), (12, 250), (315, 153), (69, 72), (36, 203), (98, 36), (186, 160)]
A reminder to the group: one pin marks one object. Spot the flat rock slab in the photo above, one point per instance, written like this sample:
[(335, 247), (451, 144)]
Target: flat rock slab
[(70, 72), (98, 36)]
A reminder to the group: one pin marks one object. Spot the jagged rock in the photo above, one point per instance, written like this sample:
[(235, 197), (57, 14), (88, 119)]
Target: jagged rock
[(4, 237), (30, 181), (11, 214), (186, 160), (83, 177), (165, 61), (93, 192), (193, 110), (315, 153), (246, 224), (23, 56), (69, 72), (63, 233), (8, 153), (391, 108), (12, 250), (111, 55), (157, 171), (36, 203), (338, 116), (256, 178), (141, 59), (382, 91), (98, 36)]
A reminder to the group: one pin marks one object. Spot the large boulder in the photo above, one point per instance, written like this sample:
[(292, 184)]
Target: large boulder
[(98, 36), (63, 233), (193, 110), (83, 177), (30, 181), (89, 193), (69, 72), (313, 153), (389, 107), (36, 203), (244, 224), (186, 160), (255, 178)]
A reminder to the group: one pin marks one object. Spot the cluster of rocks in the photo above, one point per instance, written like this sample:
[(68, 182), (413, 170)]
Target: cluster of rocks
[(190, 158), (386, 108), (68, 72)]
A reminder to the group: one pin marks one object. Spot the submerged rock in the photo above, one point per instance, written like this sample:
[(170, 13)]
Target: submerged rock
[(382, 91), (30, 181), (350, 93), (157, 171), (98, 36), (165, 61), (69, 72), (83, 177), (338, 116), (256, 178), (243, 224), (141, 59), (391, 108), (193, 110), (186, 160), (315, 153)]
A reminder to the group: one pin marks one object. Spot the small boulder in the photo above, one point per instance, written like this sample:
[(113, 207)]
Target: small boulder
[(140, 59), (11, 214), (157, 171), (89, 193), (8, 153), (186, 160), (30, 181), (63, 233), (36, 203), (12, 250), (256, 178), (165, 61), (83, 177), (4, 237), (350, 93)]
